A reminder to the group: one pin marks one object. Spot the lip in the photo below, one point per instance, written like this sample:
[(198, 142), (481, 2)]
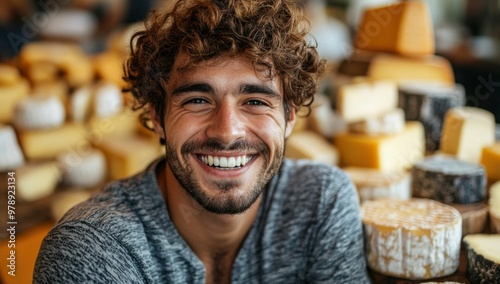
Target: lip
[(234, 173)]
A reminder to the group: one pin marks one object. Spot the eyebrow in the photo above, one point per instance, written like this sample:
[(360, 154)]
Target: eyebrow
[(259, 89), (244, 89), (196, 87)]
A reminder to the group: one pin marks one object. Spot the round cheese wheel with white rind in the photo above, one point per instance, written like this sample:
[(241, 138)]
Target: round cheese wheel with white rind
[(11, 156), (449, 180), (108, 100), (412, 239), (39, 112), (83, 170), (483, 258)]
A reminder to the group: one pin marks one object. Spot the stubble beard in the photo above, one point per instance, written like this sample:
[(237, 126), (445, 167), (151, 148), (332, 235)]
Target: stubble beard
[(227, 202)]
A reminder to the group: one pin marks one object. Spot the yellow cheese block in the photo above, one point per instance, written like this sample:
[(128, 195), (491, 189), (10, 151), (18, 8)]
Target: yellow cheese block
[(360, 100), (404, 28), (108, 67), (9, 75), (10, 95), (128, 155), (390, 152), (417, 68), (42, 71), (123, 123), (490, 159), (312, 146), (494, 203), (413, 239), (47, 144), (37, 180), (466, 130)]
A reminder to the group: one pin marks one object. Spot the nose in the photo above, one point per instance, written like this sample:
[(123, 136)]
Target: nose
[(226, 124)]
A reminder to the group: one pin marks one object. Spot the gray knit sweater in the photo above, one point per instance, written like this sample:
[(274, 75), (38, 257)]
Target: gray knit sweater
[(307, 230)]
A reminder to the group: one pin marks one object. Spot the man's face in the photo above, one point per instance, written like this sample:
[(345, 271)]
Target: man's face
[(225, 129)]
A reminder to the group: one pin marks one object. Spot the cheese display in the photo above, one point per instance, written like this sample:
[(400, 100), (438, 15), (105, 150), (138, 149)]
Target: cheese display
[(39, 112), (466, 131), (37, 180), (373, 184), (403, 28), (494, 203), (490, 159), (389, 153), (128, 155), (474, 217), (428, 103), (356, 101), (85, 169), (402, 69), (47, 144), (11, 156), (449, 180), (10, 95), (66, 200), (390, 122), (108, 100), (412, 239), (483, 258), (312, 146)]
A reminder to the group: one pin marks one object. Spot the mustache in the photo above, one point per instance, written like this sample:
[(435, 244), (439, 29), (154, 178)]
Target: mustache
[(214, 145)]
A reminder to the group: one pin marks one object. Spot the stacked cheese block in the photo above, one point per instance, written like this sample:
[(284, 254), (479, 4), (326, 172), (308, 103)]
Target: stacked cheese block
[(66, 128)]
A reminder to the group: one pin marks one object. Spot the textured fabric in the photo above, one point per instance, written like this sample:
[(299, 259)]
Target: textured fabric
[(307, 230)]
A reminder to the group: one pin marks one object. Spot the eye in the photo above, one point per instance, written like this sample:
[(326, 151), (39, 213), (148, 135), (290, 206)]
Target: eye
[(256, 103), (195, 101)]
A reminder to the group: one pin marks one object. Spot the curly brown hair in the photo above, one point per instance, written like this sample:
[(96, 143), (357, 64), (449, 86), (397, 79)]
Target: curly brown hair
[(271, 33)]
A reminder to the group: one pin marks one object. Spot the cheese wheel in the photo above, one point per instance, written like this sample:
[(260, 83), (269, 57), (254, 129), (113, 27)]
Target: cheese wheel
[(323, 119), (389, 153), (66, 200), (108, 100), (490, 159), (35, 181), (474, 217), (39, 112), (85, 169), (428, 103), (9, 75), (449, 180), (310, 145), (10, 96), (390, 122), (494, 203), (403, 28), (11, 156), (360, 100), (483, 258), (466, 131), (373, 184), (412, 239)]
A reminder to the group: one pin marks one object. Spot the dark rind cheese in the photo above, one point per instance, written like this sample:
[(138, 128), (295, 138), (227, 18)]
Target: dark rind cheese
[(428, 103), (480, 269), (449, 180)]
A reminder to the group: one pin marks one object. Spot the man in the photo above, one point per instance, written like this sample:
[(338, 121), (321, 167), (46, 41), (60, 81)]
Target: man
[(221, 81)]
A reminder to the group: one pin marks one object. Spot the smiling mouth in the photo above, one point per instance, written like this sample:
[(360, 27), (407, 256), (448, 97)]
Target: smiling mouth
[(226, 163)]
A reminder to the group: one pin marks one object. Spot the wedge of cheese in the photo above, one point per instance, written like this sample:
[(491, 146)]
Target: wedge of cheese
[(490, 159), (357, 101), (312, 146), (483, 258), (449, 180), (123, 123), (47, 144), (373, 184), (389, 153), (494, 203), (404, 28), (412, 239), (37, 180), (428, 103), (128, 155), (466, 131)]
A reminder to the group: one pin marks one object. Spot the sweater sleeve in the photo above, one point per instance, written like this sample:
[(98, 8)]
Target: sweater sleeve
[(80, 253), (338, 254)]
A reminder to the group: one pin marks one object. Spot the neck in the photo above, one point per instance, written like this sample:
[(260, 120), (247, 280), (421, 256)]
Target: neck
[(208, 234)]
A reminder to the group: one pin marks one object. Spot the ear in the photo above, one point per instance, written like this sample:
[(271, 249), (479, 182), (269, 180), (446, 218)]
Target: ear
[(292, 117), (156, 120)]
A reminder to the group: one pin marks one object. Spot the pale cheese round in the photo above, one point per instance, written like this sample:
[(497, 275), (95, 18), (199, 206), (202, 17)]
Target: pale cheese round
[(11, 156), (39, 112), (83, 169)]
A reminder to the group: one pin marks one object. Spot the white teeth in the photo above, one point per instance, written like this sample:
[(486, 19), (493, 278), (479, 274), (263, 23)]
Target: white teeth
[(226, 162)]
